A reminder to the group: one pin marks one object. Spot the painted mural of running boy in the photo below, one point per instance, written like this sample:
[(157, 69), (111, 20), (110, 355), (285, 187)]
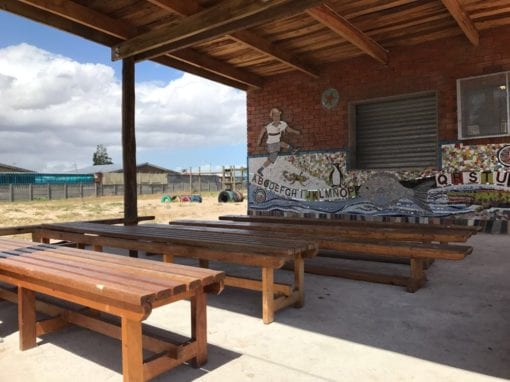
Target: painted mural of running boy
[(274, 131)]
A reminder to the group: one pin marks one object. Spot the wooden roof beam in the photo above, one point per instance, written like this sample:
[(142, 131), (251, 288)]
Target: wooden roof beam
[(177, 63), (328, 17), (462, 18), (83, 15), (117, 30), (188, 7), (227, 17)]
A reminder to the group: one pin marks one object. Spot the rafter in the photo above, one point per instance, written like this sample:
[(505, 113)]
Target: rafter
[(80, 16), (84, 16), (195, 58), (462, 18), (328, 17), (186, 8), (226, 17)]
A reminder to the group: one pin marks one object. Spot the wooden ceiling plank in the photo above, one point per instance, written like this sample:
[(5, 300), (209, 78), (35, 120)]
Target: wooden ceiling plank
[(208, 63), (328, 17), (182, 8), (187, 8), (270, 49), (462, 18), (116, 32), (83, 15), (226, 17)]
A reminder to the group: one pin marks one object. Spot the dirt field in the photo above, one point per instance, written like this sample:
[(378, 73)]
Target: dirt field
[(23, 213)]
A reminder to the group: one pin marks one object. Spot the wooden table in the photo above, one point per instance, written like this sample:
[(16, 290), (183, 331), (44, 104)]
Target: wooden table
[(380, 242), (120, 286), (255, 251)]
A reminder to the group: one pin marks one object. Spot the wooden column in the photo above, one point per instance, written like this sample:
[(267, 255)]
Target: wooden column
[(26, 319), (129, 141), (199, 326)]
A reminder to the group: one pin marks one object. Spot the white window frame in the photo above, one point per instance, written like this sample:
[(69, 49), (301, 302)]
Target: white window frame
[(459, 107)]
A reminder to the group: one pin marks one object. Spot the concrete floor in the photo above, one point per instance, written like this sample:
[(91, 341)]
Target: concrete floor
[(457, 328)]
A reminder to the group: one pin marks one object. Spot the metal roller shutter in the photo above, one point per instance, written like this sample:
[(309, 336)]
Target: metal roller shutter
[(397, 133)]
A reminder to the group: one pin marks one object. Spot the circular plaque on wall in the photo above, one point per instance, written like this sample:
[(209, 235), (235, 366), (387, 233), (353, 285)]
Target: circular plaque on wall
[(504, 155), (330, 98)]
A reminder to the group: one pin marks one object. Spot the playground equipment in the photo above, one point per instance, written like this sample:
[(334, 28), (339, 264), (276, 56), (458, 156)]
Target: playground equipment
[(181, 198), (230, 196)]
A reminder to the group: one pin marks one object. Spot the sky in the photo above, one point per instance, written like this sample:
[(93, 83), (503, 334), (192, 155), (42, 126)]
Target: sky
[(60, 97)]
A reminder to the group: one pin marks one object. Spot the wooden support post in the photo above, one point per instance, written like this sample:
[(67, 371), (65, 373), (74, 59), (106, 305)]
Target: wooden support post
[(199, 326), (49, 191), (299, 281), (11, 193), (417, 279), (132, 356), (81, 190), (129, 141), (203, 263), (267, 295), (66, 191), (30, 192), (199, 182), (26, 318), (190, 180)]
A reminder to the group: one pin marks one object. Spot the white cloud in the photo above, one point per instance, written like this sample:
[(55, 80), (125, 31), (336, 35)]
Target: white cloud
[(54, 111)]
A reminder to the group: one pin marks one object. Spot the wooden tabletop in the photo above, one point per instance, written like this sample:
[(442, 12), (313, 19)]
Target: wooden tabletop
[(134, 281), (384, 232), (162, 233)]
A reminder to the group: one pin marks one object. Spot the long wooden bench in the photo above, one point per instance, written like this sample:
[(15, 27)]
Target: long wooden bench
[(470, 230), (123, 287), (256, 251), (386, 231), (383, 241)]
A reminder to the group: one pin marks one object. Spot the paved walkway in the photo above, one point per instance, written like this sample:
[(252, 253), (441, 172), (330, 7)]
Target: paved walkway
[(455, 329)]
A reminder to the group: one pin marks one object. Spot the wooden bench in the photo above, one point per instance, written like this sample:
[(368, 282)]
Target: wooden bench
[(469, 230), (383, 241), (225, 247), (123, 287)]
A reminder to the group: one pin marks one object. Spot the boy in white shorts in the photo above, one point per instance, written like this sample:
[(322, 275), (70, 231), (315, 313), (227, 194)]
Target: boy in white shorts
[(274, 131)]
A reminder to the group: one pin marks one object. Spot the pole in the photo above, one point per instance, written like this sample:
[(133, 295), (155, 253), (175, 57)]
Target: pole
[(129, 141)]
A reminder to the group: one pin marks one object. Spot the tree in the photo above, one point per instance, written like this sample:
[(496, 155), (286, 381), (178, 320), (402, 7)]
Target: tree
[(101, 156)]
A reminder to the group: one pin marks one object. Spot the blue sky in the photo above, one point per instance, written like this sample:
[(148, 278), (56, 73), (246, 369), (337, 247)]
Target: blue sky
[(188, 135)]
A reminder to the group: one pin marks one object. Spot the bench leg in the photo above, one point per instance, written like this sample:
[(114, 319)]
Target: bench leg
[(168, 258), (299, 281), (26, 318), (132, 354), (199, 326), (203, 263), (417, 279), (267, 295)]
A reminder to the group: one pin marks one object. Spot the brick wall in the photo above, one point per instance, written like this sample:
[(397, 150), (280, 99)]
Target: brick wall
[(429, 66)]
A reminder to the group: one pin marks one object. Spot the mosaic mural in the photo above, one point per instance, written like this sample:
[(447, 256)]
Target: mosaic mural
[(474, 182)]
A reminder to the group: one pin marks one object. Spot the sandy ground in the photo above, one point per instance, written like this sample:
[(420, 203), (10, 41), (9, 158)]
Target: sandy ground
[(23, 213), (456, 329)]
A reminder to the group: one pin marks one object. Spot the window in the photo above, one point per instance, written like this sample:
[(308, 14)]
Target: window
[(483, 104), (396, 133)]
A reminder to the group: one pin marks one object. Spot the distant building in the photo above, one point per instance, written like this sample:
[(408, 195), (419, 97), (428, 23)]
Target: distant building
[(9, 168)]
